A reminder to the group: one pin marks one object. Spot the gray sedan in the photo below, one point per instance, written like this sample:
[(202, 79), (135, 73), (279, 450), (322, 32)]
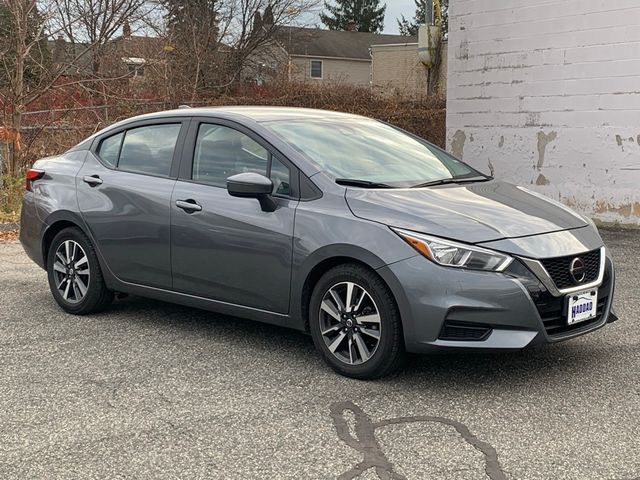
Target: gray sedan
[(368, 237)]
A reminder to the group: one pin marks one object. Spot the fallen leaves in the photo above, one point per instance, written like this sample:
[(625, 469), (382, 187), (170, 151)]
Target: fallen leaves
[(9, 236)]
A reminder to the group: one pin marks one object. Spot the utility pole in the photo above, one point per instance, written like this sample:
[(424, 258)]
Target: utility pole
[(429, 18), (430, 43)]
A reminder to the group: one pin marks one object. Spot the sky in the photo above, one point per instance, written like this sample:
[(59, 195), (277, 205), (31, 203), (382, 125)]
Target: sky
[(395, 8)]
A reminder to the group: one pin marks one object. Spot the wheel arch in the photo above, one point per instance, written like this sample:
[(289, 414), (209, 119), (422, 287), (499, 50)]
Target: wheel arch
[(321, 262), (54, 224), (58, 221)]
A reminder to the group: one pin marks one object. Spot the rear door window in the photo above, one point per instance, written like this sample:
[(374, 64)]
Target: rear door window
[(149, 149)]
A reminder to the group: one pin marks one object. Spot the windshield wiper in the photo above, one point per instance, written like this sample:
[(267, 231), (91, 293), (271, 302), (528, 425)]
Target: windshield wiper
[(352, 182), (447, 181)]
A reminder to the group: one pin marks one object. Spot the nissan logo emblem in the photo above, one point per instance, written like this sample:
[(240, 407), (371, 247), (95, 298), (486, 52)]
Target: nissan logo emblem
[(578, 270)]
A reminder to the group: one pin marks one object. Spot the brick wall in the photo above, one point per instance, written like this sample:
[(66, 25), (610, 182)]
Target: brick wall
[(547, 95), (397, 69)]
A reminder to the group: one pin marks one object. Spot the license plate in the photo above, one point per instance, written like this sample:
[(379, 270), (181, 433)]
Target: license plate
[(583, 306)]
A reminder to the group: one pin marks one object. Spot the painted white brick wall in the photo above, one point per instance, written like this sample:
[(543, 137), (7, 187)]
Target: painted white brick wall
[(547, 95)]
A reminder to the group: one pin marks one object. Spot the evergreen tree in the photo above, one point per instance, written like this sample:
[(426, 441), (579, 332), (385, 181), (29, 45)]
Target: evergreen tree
[(359, 15), (407, 27), (267, 19), (193, 53)]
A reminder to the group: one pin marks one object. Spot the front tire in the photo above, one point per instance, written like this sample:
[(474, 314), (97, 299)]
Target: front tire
[(355, 323), (75, 278)]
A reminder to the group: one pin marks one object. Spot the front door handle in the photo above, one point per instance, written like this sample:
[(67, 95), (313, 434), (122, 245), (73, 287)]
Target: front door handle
[(189, 205), (93, 180)]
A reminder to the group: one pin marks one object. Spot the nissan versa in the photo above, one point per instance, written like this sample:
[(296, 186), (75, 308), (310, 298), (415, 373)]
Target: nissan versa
[(368, 237)]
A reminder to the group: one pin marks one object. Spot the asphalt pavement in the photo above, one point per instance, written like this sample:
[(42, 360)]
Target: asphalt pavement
[(149, 390)]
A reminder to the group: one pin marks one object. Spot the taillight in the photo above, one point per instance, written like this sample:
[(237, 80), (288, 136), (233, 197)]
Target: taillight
[(32, 175)]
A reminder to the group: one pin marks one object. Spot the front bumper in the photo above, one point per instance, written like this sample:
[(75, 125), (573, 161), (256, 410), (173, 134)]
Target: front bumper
[(488, 311)]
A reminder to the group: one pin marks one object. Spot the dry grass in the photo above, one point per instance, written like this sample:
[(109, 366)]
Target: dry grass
[(11, 199)]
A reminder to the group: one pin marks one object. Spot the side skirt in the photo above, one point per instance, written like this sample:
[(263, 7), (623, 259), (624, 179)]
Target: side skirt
[(216, 306)]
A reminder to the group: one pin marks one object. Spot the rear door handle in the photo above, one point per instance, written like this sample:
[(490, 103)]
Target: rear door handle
[(189, 205), (93, 180)]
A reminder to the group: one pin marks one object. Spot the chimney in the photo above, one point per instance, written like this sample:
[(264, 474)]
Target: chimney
[(352, 26), (59, 51), (126, 29)]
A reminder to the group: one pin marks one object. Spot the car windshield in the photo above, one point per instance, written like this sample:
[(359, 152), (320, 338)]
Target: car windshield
[(370, 151)]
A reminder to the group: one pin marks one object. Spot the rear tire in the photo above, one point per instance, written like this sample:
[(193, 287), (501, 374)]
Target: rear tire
[(74, 273), (355, 323)]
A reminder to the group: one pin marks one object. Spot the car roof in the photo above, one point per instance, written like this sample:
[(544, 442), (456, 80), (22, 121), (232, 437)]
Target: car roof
[(256, 113)]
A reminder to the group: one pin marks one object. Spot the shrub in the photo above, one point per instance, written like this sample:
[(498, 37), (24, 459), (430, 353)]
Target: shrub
[(52, 132)]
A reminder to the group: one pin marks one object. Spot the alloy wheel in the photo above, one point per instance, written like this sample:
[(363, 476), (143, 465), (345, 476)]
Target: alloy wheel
[(71, 271), (350, 323)]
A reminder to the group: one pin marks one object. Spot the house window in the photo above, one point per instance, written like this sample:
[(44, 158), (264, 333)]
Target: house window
[(316, 68), (136, 70), (135, 65)]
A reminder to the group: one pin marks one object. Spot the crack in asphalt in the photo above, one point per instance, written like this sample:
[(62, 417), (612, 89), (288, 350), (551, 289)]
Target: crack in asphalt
[(366, 443)]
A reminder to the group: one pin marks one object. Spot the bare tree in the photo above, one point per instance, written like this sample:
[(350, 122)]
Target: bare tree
[(96, 22), (23, 58), (211, 42), (27, 71), (252, 40)]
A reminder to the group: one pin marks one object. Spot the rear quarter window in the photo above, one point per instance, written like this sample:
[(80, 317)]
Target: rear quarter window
[(109, 149)]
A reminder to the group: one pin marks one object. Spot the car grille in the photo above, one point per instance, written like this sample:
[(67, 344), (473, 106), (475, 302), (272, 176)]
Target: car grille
[(464, 332), (558, 268), (553, 310)]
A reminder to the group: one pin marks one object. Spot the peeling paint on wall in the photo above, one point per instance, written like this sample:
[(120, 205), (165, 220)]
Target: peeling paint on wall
[(626, 209), (546, 111), (533, 119), (542, 180), (544, 139), (463, 54), (457, 143)]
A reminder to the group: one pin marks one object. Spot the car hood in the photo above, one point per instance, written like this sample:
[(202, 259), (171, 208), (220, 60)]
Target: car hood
[(473, 213)]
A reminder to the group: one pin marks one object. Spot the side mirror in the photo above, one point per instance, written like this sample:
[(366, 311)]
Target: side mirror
[(252, 185)]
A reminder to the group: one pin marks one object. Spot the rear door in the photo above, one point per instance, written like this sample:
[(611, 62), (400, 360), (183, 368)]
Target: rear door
[(228, 249), (124, 194)]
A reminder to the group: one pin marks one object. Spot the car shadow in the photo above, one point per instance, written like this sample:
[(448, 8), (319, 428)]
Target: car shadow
[(542, 364)]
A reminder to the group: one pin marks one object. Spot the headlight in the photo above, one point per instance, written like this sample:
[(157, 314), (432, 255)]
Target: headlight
[(453, 254)]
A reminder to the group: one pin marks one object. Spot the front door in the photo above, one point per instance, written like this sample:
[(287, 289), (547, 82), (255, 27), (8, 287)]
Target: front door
[(226, 248), (124, 195)]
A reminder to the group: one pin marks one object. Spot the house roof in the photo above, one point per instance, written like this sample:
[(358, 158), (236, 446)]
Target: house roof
[(77, 57), (334, 43), (140, 46)]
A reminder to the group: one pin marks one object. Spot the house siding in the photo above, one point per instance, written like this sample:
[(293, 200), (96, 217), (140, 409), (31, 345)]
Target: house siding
[(354, 72), (548, 96)]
